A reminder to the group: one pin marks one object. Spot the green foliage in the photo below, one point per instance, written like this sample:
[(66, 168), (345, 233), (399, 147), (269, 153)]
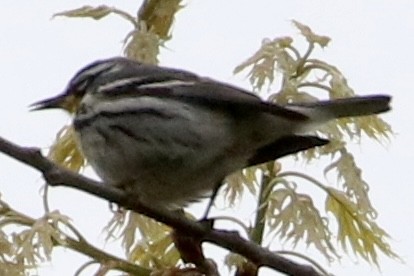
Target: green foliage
[(65, 150), (32, 240), (288, 214), (291, 215), (151, 26), (152, 248), (356, 229)]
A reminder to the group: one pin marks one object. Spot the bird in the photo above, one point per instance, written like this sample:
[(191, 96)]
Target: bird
[(170, 137)]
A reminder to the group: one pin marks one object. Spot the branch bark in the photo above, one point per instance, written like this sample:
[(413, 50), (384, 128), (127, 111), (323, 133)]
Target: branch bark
[(59, 176)]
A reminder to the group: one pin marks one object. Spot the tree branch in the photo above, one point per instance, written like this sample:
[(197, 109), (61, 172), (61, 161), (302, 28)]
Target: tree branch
[(59, 176)]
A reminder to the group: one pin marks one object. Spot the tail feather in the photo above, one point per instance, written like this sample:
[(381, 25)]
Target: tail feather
[(347, 107)]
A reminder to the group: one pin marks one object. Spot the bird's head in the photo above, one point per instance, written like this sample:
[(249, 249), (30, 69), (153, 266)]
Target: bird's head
[(82, 83)]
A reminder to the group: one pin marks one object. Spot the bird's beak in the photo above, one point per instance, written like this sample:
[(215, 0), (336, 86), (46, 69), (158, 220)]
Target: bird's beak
[(55, 102), (63, 101)]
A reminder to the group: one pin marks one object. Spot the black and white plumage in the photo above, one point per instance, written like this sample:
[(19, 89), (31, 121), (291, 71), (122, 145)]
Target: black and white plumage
[(170, 137)]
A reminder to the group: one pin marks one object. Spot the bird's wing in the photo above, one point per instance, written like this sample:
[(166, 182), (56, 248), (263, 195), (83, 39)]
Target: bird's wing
[(147, 80)]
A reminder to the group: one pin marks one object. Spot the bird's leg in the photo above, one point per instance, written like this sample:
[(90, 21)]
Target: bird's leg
[(211, 200), (126, 187)]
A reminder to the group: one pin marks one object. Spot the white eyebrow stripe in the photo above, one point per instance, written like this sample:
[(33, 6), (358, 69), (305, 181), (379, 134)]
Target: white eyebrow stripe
[(119, 83), (162, 84), (167, 83)]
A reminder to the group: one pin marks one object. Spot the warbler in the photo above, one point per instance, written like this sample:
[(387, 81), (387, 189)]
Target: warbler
[(170, 137)]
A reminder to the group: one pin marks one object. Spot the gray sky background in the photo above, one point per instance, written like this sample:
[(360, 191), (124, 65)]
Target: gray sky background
[(372, 43)]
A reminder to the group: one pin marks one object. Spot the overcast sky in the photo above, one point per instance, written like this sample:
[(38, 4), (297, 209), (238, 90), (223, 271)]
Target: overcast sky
[(372, 43)]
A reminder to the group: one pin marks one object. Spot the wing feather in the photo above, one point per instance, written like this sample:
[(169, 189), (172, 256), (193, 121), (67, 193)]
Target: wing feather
[(148, 80)]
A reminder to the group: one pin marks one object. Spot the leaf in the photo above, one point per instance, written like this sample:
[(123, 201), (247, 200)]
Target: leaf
[(87, 11), (158, 253), (237, 182), (158, 16), (65, 151), (155, 248), (36, 243), (373, 126), (143, 45), (98, 13), (356, 189), (145, 241), (355, 230), (271, 55), (8, 262), (234, 261), (293, 217), (310, 36)]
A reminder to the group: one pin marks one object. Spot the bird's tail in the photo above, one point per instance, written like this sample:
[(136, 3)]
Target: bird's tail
[(323, 111)]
